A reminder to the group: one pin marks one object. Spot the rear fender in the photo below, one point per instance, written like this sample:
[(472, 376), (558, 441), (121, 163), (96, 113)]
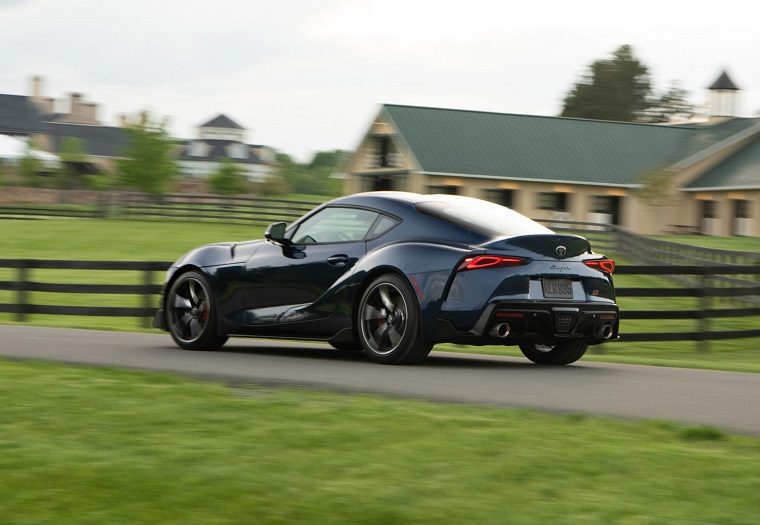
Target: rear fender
[(427, 268)]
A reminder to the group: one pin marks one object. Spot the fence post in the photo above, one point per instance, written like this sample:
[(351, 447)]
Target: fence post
[(703, 344), (97, 213), (147, 296), (22, 294)]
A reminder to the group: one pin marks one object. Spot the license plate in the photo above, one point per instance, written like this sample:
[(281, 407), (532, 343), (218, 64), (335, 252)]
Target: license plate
[(557, 288)]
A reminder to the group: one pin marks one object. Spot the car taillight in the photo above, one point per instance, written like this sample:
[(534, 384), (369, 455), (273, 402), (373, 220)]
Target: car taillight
[(603, 265), (489, 261)]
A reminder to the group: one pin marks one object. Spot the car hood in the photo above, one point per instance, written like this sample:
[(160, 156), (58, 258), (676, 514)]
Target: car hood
[(219, 253)]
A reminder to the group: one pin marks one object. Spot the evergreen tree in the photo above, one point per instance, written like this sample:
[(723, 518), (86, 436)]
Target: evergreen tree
[(613, 89), (668, 106)]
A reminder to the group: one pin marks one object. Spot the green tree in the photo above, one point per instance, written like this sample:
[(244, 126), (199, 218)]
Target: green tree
[(657, 187), (274, 184), (616, 88), (228, 179), (669, 105), (72, 151), (326, 159), (148, 164), (29, 169), (312, 178)]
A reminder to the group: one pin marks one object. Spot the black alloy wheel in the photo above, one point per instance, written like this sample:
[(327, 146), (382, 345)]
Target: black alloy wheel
[(191, 313), (388, 322)]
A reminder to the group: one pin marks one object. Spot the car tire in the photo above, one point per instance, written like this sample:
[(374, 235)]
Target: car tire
[(562, 353), (191, 313), (388, 322)]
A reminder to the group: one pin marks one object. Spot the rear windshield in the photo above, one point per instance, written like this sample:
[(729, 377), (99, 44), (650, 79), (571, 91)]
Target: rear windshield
[(481, 217)]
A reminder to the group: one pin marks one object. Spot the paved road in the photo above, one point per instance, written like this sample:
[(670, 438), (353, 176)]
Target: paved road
[(727, 399)]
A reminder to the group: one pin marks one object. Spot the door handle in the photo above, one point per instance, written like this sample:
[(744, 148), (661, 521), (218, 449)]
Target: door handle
[(338, 260)]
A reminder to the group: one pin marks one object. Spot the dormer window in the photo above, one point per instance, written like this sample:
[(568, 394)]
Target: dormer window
[(264, 154), (197, 149), (383, 154), (237, 151)]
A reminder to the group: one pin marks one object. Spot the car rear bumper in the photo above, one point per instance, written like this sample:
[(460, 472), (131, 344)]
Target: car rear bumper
[(537, 321)]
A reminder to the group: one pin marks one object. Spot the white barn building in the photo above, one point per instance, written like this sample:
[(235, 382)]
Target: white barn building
[(222, 138)]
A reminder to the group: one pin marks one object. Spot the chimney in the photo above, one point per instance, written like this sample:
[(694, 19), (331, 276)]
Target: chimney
[(44, 105), (36, 87), (123, 120), (89, 113), (74, 100)]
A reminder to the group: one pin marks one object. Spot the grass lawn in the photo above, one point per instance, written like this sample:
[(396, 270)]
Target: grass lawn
[(94, 446), (115, 240), (167, 240), (739, 244)]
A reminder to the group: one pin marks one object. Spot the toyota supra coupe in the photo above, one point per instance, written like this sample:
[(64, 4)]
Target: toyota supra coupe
[(392, 274)]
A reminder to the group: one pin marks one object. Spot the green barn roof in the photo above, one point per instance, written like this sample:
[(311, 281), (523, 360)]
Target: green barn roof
[(510, 146), (741, 170)]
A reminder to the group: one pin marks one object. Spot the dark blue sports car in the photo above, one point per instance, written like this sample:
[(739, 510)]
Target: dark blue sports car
[(392, 274)]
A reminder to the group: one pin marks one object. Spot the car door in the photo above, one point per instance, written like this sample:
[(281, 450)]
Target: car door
[(321, 250)]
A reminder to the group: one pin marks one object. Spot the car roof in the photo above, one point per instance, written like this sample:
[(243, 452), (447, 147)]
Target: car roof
[(376, 198)]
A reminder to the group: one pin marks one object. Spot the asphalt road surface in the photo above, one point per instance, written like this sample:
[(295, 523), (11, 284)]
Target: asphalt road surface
[(729, 400)]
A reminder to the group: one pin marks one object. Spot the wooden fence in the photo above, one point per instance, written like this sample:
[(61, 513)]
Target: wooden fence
[(183, 206), (704, 291), (635, 247), (24, 283)]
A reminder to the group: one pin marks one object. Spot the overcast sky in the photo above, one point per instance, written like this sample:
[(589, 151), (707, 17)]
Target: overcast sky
[(309, 75)]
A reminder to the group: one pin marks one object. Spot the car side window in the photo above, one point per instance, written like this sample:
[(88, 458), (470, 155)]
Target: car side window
[(335, 225), (382, 225)]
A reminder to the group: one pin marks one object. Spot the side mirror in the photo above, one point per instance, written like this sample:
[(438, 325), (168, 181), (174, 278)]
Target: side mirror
[(276, 233)]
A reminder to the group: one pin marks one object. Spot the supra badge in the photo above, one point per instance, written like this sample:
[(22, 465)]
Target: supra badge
[(560, 251)]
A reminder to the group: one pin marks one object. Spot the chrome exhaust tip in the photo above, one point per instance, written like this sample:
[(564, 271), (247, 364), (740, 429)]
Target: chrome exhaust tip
[(500, 330), (605, 332)]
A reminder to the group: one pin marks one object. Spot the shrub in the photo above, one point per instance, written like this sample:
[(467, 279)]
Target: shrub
[(228, 179)]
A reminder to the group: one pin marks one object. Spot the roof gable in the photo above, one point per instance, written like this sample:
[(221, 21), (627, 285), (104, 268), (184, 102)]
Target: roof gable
[(724, 82), (222, 121)]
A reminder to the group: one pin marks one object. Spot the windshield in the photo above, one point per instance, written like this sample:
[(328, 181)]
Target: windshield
[(480, 216)]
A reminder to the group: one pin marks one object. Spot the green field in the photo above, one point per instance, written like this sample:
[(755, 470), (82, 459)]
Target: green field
[(115, 240), (94, 446), (738, 244), (167, 240)]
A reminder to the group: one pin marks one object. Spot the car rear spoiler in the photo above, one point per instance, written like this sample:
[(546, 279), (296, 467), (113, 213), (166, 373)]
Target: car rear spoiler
[(547, 245)]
